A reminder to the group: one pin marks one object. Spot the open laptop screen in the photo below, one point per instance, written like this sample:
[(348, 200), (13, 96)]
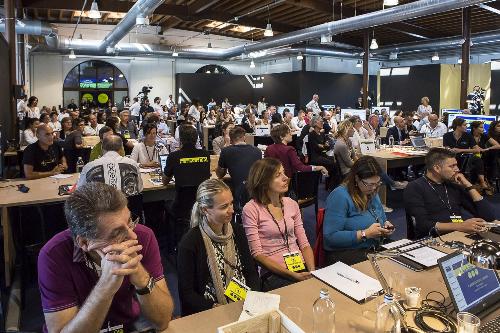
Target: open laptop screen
[(472, 289)]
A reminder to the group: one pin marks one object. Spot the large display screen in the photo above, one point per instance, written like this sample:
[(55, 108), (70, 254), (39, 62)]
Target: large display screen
[(469, 118), (87, 84)]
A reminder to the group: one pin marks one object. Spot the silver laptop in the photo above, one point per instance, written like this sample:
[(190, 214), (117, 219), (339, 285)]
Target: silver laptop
[(418, 142)]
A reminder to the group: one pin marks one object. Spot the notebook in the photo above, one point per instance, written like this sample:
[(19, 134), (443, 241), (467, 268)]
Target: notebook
[(418, 256)]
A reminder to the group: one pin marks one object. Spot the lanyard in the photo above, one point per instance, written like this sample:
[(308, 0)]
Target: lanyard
[(221, 253), (147, 152), (447, 203), (283, 235)]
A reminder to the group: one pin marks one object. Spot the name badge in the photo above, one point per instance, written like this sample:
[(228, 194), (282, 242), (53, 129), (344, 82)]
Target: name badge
[(294, 262), (236, 290), (456, 218), (126, 135), (114, 329)]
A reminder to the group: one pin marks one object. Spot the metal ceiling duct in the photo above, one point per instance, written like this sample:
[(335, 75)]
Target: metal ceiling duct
[(140, 8), (489, 37), (38, 28)]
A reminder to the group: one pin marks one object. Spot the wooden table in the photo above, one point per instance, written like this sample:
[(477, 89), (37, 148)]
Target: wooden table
[(43, 191), (393, 159), (206, 130), (90, 141), (349, 314)]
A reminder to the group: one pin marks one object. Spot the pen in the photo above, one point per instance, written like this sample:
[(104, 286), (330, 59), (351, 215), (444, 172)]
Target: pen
[(411, 255), (348, 278)]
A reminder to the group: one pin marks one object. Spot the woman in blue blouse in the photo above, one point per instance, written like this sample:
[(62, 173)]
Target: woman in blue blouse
[(355, 221)]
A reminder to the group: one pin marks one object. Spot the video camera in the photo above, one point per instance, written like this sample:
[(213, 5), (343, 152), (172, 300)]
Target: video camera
[(144, 93)]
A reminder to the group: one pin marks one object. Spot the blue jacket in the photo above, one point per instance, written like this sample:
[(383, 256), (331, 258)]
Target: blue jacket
[(343, 220)]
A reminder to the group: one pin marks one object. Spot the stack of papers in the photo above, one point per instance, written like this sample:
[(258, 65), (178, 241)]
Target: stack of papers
[(424, 255), (257, 303), (61, 176), (347, 280)]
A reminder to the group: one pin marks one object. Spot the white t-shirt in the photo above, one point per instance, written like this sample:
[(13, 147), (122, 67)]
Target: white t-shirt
[(261, 107), (422, 109), (146, 154), (134, 109), (55, 126), (297, 124), (313, 105), (33, 112), (28, 137), (158, 108), (436, 132), (89, 130), (193, 112), (62, 115), (170, 104)]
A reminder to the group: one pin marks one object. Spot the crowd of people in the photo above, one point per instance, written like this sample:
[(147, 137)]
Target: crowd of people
[(106, 260)]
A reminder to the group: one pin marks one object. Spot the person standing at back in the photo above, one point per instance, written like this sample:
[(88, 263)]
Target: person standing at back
[(313, 105)]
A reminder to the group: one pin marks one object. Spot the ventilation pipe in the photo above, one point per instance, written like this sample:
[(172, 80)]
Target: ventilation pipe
[(37, 28), (141, 8)]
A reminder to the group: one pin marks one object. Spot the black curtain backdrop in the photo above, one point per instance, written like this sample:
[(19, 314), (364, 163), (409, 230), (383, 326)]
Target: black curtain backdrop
[(5, 114), (495, 92), (279, 89), (409, 89)]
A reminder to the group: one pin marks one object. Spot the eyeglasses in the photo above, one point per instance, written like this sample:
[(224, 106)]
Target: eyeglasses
[(371, 185), (119, 235)]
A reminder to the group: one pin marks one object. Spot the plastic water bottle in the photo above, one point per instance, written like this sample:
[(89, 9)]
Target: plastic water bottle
[(391, 141), (378, 143), (388, 318), (324, 313), (79, 165)]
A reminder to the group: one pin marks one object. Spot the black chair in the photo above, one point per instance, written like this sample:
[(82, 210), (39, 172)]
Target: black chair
[(136, 207), (241, 197), (305, 186), (411, 232), (20, 154), (179, 212)]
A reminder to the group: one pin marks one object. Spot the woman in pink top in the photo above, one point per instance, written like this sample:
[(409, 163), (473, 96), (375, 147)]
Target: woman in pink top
[(274, 229)]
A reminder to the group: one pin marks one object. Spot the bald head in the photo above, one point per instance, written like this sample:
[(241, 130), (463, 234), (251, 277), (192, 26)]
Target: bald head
[(399, 122), (45, 134), (112, 143), (433, 120)]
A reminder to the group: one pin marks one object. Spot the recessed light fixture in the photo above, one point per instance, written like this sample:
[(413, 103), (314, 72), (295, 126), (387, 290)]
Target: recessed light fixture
[(94, 12), (72, 55), (175, 54)]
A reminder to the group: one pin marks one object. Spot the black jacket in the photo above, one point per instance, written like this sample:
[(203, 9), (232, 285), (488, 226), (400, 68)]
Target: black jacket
[(194, 272), (394, 132)]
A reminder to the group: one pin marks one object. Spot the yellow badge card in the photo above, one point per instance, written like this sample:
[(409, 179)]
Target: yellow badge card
[(294, 262), (126, 135), (236, 290), (456, 218)]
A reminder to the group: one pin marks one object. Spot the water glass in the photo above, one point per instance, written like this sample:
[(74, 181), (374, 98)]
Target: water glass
[(294, 313), (397, 281), (467, 323), (371, 304)]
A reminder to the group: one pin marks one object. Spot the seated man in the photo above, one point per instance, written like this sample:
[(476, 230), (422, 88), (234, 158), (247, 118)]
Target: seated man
[(96, 151), (398, 131), (92, 129), (444, 196), (120, 172), (127, 128), (104, 271), (434, 128), (43, 158), (237, 158)]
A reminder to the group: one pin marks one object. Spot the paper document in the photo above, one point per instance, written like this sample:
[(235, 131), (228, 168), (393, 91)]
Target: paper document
[(347, 280), (424, 255), (257, 303), (60, 176), (147, 170)]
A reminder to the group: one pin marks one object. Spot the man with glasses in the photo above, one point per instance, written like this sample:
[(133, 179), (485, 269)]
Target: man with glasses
[(104, 271), (43, 158), (92, 129), (444, 200)]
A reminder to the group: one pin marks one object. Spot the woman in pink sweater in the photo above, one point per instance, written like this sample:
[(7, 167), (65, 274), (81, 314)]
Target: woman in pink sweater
[(274, 229)]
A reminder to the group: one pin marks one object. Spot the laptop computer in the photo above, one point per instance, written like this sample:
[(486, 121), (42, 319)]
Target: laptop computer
[(163, 161), (472, 289), (418, 143)]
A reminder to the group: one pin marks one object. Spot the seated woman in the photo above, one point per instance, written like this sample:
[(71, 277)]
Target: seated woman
[(345, 154), (287, 155), (355, 220), (222, 141), (318, 146), (493, 155), (214, 252), (147, 152), (488, 145), (29, 134), (274, 229)]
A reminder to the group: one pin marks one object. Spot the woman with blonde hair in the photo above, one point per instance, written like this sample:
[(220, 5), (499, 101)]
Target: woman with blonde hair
[(424, 109), (345, 154), (355, 220), (274, 229), (214, 252)]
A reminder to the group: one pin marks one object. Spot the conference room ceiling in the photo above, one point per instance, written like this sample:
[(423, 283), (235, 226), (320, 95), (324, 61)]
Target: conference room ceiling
[(212, 17)]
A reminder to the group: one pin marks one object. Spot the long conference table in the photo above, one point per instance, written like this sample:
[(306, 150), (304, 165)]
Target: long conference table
[(45, 190), (349, 317)]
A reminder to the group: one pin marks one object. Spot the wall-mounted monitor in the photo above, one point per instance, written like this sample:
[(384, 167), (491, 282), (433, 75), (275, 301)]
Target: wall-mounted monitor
[(469, 118), (347, 113), (443, 111), (87, 84)]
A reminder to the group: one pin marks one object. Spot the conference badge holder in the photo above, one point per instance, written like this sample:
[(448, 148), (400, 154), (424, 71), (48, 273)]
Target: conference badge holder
[(456, 218), (236, 290), (294, 262)]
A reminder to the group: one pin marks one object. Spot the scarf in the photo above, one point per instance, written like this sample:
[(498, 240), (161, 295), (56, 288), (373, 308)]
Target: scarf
[(227, 240)]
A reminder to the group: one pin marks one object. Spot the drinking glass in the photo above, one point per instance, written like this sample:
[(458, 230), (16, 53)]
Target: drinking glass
[(467, 323), (371, 304)]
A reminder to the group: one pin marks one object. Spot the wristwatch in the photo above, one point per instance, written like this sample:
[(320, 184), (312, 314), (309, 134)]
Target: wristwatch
[(147, 289), (363, 236)]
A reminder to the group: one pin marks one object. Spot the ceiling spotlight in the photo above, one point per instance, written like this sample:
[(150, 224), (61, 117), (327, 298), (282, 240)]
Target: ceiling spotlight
[(374, 45), (175, 54), (359, 64), (391, 2), (94, 12), (299, 56), (269, 31), (435, 57), (72, 55), (252, 64), (459, 61), (121, 75)]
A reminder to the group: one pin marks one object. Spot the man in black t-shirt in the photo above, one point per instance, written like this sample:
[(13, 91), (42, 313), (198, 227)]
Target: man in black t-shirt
[(237, 159), (190, 166), (43, 158), (444, 199)]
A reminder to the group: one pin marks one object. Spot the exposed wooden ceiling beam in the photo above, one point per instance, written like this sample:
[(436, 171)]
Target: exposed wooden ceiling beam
[(201, 5), (318, 5)]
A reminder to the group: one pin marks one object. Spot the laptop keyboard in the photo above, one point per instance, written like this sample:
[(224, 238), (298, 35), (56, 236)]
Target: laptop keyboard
[(493, 326)]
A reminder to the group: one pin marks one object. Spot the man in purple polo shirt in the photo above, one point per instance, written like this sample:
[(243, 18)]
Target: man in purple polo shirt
[(104, 272)]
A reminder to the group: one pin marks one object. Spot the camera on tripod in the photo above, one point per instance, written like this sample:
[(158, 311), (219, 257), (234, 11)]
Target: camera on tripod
[(144, 93)]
